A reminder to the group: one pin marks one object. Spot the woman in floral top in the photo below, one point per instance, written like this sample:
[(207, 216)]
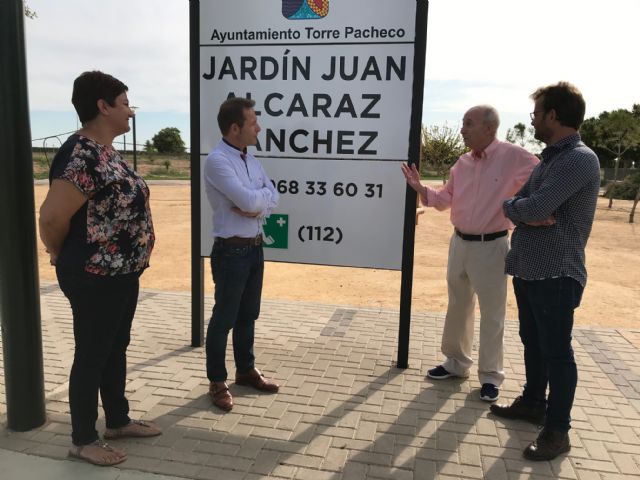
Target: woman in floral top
[(96, 225)]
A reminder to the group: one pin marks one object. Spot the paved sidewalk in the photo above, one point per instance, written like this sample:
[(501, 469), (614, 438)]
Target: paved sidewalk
[(20, 466), (343, 412)]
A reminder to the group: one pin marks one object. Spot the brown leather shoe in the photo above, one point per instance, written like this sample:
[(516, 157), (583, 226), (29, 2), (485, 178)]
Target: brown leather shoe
[(255, 379), (221, 396)]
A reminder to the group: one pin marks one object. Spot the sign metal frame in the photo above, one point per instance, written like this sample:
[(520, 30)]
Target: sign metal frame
[(413, 156)]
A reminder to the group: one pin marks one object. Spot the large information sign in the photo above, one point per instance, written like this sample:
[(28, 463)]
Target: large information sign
[(333, 85)]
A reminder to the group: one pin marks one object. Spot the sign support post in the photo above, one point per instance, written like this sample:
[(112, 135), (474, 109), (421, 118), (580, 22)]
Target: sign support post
[(19, 284), (197, 262), (406, 282)]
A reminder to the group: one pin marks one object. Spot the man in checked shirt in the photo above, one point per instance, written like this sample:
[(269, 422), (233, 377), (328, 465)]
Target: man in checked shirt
[(553, 214)]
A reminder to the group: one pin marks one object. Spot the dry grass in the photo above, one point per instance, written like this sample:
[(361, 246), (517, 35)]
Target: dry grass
[(611, 298)]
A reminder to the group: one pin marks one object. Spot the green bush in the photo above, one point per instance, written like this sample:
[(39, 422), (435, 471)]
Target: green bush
[(625, 190), (164, 174)]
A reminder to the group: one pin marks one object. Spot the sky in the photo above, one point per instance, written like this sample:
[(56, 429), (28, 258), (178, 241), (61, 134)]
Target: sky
[(493, 52)]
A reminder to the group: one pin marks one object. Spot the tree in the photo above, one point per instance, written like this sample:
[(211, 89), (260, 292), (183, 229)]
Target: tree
[(523, 136), (150, 150), (589, 131), (28, 12), (168, 140), (616, 132), (627, 189), (441, 147), (636, 180)]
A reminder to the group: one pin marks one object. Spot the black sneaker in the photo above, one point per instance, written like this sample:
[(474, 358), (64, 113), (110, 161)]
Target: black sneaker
[(439, 373), (489, 392), (548, 445), (521, 410)]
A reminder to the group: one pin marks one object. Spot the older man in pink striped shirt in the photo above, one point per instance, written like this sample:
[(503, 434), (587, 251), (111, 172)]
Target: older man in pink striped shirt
[(479, 182)]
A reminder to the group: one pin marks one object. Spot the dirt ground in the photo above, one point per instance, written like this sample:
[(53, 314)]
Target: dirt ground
[(612, 296)]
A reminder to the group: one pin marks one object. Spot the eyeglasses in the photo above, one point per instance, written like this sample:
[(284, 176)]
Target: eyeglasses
[(533, 114)]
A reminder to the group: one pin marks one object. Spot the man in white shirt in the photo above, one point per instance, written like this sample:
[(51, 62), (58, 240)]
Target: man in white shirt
[(241, 196)]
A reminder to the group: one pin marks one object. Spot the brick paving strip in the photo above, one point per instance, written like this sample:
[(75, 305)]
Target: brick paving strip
[(344, 411)]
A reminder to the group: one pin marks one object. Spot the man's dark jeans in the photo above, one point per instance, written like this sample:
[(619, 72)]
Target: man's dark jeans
[(103, 308), (545, 310), (237, 273)]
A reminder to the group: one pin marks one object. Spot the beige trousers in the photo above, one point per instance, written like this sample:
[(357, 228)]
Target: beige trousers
[(476, 269)]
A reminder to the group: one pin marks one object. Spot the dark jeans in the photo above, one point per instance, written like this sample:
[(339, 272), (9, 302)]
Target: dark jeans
[(545, 310), (103, 308), (237, 273)]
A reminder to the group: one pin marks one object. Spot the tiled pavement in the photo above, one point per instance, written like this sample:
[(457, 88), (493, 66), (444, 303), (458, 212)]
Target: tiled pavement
[(344, 412)]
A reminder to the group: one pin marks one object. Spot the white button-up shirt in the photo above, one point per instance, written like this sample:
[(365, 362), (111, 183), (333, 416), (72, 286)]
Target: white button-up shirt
[(231, 181)]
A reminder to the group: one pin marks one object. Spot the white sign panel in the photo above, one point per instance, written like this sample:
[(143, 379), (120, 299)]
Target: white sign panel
[(332, 81)]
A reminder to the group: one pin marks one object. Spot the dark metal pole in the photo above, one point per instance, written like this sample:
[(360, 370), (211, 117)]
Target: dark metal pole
[(406, 282), (19, 285), (135, 151), (197, 263)]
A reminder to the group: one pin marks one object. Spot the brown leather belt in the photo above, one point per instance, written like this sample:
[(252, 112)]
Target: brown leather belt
[(486, 237), (253, 241)]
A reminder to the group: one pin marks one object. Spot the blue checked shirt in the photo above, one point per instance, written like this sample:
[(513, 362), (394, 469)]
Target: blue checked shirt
[(566, 185)]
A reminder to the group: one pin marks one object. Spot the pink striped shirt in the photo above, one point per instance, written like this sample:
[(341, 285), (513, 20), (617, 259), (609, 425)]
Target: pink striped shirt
[(477, 187)]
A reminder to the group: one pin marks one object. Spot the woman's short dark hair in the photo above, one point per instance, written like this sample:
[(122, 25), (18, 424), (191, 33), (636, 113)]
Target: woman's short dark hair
[(566, 100), (90, 87), (232, 111)]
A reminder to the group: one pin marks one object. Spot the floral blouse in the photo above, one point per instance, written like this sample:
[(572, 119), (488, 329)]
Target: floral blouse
[(112, 233)]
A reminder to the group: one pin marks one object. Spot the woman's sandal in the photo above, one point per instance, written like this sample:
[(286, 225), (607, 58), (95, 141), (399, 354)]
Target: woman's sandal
[(98, 453), (135, 429)]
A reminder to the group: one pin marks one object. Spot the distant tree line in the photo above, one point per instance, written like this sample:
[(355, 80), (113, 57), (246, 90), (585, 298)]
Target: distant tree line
[(614, 136)]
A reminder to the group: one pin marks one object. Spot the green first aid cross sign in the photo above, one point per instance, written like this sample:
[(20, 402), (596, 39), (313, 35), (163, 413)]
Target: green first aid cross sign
[(276, 231)]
